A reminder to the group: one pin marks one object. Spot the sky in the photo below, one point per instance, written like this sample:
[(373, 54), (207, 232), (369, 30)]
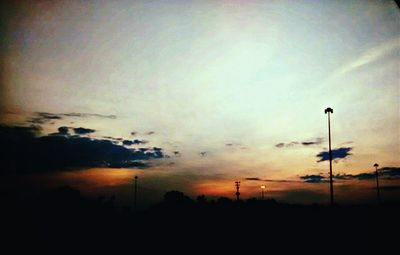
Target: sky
[(212, 91)]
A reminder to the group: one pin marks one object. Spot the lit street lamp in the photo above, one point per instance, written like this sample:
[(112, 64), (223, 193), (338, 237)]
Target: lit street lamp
[(262, 191)]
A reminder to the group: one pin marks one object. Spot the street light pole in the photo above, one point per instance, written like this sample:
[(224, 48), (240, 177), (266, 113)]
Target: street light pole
[(377, 183), (329, 111)]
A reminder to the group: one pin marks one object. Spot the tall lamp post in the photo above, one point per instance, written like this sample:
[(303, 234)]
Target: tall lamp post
[(329, 111), (377, 183)]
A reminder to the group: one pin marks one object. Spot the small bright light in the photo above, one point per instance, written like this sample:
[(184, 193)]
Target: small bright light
[(263, 186)]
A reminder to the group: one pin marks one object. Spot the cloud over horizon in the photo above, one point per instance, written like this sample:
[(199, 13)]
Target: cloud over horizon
[(387, 173), (23, 150)]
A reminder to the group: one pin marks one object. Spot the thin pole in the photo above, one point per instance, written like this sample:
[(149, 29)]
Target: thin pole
[(135, 194), (330, 158), (262, 194), (377, 185), (237, 184)]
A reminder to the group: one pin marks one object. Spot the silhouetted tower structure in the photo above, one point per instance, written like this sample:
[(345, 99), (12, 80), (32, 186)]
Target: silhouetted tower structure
[(237, 184), (135, 194), (329, 111), (378, 195)]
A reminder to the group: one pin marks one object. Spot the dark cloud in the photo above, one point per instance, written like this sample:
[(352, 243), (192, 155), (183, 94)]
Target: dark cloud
[(343, 176), (315, 141), (150, 133), (45, 117), (84, 115), (113, 138), (253, 179), (203, 153), (363, 176), (281, 145), (177, 153), (339, 153), (313, 178), (63, 130), (133, 133), (384, 173), (83, 131), (23, 150), (235, 145), (136, 141), (390, 172), (127, 142)]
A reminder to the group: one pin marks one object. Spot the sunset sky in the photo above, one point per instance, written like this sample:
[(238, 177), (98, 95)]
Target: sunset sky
[(213, 91)]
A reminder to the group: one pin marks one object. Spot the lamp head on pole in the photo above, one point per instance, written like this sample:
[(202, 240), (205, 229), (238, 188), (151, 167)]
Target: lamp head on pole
[(328, 110), (136, 177), (376, 165)]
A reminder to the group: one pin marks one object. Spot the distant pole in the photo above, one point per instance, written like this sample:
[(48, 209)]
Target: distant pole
[(237, 184), (329, 111), (262, 191), (377, 183), (135, 194)]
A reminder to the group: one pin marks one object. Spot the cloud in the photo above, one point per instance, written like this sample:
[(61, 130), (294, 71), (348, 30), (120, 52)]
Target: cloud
[(268, 180), (203, 153), (113, 138), (136, 141), (339, 153), (315, 141), (390, 172), (370, 56), (83, 131), (253, 179), (291, 144), (133, 133), (384, 173), (23, 150), (63, 130), (85, 115), (313, 178), (150, 133), (177, 153), (45, 117)]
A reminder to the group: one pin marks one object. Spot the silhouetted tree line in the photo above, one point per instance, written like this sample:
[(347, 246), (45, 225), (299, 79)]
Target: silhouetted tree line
[(62, 221)]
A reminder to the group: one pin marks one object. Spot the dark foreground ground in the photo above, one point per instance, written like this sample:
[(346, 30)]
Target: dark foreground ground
[(62, 222)]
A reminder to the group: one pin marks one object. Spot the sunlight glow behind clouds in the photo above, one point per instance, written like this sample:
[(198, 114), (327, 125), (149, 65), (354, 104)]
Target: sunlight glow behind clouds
[(202, 74)]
